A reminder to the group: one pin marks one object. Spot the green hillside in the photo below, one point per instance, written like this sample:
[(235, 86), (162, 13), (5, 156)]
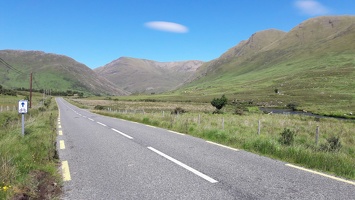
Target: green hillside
[(51, 71), (313, 65)]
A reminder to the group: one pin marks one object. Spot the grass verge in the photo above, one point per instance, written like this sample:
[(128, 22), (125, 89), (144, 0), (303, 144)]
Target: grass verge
[(242, 132), (29, 164)]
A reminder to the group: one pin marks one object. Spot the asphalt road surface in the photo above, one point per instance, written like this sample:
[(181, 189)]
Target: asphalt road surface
[(107, 158)]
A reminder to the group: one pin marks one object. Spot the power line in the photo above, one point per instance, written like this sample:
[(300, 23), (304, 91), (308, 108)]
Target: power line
[(34, 80), (10, 67)]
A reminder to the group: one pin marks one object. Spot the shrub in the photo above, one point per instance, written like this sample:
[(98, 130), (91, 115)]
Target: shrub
[(333, 144), (293, 106), (239, 111), (99, 107), (219, 103), (287, 137), (178, 110)]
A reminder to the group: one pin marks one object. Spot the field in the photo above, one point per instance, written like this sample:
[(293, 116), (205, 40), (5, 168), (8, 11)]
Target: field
[(334, 151), (28, 164)]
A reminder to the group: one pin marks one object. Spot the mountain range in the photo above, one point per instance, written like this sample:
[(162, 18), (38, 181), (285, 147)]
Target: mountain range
[(147, 76), (316, 59)]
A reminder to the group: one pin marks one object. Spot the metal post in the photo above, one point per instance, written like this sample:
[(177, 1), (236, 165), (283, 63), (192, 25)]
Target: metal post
[(23, 125)]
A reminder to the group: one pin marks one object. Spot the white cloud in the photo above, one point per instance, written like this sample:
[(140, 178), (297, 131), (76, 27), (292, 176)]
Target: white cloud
[(311, 7), (167, 26)]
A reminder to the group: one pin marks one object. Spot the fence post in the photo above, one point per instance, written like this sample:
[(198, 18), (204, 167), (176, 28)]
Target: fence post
[(317, 134), (259, 127), (199, 119), (223, 123)]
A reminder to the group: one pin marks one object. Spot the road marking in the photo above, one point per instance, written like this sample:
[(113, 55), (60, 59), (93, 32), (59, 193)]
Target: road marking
[(117, 131), (58, 123), (60, 132), (65, 171), (209, 179), (151, 126), (61, 144), (91, 119), (101, 124), (176, 132), (321, 174), (223, 146), (59, 126)]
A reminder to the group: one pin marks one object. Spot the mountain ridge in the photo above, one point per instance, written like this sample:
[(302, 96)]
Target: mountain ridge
[(58, 72), (148, 76)]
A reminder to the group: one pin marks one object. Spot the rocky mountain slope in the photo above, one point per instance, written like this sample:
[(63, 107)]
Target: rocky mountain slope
[(147, 76)]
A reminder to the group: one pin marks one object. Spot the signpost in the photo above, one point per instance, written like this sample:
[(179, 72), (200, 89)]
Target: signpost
[(22, 109)]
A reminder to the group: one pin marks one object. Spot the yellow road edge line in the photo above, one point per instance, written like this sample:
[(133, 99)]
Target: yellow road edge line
[(60, 132), (65, 171), (59, 126), (61, 144), (222, 145), (321, 174)]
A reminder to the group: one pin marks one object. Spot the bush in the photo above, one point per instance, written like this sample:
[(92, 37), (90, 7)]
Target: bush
[(293, 106), (333, 144), (219, 103), (287, 137), (99, 107), (239, 111), (178, 110)]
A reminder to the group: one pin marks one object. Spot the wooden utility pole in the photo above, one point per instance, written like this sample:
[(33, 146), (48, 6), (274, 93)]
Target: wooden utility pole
[(31, 90)]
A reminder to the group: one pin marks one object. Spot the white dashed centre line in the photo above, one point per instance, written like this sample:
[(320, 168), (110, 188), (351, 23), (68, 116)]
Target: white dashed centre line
[(117, 131), (101, 124), (204, 176)]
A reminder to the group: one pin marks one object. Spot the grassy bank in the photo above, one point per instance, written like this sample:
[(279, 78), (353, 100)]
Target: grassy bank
[(29, 164), (333, 153)]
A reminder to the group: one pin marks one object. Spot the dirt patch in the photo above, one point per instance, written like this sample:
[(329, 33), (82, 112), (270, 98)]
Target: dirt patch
[(44, 186)]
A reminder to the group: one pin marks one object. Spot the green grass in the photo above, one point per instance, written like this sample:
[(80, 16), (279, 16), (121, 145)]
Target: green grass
[(241, 132), (26, 160)]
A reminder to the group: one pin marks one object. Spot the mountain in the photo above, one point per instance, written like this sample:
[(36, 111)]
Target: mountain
[(51, 71), (313, 64), (244, 49), (147, 76)]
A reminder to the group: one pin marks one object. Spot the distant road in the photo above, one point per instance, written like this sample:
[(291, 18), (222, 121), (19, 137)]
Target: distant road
[(107, 158)]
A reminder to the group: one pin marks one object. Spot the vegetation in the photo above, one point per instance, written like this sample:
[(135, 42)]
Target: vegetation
[(219, 103), (287, 137), (4, 91), (28, 165)]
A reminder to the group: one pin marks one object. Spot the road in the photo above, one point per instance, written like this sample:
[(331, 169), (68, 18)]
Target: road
[(107, 158)]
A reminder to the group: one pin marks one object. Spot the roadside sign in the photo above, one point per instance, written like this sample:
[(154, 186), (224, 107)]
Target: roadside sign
[(22, 106)]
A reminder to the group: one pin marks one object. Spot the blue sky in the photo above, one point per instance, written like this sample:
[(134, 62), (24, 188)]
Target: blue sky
[(97, 32)]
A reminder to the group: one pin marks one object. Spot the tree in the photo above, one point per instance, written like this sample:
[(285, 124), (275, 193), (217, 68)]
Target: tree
[(219, 103)]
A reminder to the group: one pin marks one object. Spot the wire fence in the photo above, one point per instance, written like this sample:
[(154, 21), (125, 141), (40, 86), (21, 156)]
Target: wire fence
[(8, 108)]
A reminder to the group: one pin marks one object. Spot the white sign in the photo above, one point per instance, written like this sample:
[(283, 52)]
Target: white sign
[(22, 106)]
